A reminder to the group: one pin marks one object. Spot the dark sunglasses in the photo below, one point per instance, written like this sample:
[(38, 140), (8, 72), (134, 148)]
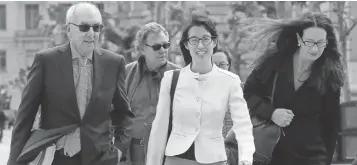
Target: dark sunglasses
[(157, 47), (86, 27)]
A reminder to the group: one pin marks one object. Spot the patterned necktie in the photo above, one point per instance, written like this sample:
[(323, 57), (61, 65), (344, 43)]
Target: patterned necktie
[(83, 90)]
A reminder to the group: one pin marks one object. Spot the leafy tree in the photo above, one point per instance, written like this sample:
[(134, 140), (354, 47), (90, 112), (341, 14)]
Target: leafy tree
[(346, 24), (174, 16), (243, 15)]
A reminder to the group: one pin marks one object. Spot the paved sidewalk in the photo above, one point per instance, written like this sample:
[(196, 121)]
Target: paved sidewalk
[(5, 147)]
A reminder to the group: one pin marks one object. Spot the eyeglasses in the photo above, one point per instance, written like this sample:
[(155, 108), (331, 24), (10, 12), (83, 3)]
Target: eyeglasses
[(205, 40), (312, 44), (222, 65), (86, 27), (157, 47)]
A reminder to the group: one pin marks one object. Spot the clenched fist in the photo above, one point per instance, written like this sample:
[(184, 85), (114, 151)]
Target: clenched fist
[(282, 117), (244, 163)]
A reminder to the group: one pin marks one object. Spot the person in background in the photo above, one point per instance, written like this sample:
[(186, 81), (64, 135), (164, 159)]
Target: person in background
[(303, 54), (204, 94), (143, 84), (223, 58), (80, 88)]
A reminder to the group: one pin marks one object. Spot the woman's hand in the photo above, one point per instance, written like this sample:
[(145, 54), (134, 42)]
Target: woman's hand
[(282, 117), (244, 162)]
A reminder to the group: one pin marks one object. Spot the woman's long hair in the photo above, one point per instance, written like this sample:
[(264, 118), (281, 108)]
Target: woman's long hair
[(197, 19), (281, 44)]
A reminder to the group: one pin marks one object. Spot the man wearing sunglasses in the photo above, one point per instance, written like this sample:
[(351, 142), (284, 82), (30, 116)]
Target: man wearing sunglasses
[(143, 84), (80, 88)]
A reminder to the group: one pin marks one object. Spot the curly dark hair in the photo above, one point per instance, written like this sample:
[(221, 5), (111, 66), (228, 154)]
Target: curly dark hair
[(197, 19), (281, 44)]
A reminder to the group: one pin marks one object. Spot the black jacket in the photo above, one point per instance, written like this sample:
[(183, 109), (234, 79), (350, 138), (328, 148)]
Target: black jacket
[(311, 136), (51, 86)]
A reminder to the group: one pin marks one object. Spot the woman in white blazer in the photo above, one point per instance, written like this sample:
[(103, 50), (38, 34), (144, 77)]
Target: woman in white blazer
[(203, 94)]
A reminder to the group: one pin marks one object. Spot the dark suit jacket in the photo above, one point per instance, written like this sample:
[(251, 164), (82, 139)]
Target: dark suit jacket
[(51, 85), (311, 136)]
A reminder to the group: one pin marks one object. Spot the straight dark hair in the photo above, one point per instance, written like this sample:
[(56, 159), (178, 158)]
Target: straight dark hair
[(197, 19), (226, 52)]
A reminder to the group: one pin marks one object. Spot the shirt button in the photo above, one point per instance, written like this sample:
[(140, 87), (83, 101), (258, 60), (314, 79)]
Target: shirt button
[(197, 129), (197, 114), (198, 99)]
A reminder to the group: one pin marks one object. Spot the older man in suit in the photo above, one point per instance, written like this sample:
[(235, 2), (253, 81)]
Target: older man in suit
[(80, 89)]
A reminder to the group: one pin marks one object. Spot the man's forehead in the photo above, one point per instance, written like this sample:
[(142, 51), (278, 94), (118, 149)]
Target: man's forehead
[(87, 15), (158, 37)]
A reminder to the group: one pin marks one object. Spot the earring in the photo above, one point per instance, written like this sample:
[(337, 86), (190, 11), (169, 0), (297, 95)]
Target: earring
[(298, 44)]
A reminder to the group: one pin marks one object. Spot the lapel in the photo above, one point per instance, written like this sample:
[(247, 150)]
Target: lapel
[(66, 66), (98, 70), (98, 73), (67, 75), (133, 80)]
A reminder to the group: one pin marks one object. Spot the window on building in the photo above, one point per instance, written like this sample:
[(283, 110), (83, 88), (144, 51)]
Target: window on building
[(2, 17), (2, 60), (32, 16)]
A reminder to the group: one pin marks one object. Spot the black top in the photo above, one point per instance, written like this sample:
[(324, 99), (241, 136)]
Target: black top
[(189, 154), (311, 136)]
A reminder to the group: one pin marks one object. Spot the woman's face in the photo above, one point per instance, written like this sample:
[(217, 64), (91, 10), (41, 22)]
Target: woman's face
[(312, 43), (220, 59), (200, 43)]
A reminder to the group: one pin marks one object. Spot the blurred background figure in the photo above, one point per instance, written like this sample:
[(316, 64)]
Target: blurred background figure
[(222, 58)]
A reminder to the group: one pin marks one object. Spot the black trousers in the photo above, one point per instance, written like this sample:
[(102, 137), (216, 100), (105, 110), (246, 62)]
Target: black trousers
[(61, 159)]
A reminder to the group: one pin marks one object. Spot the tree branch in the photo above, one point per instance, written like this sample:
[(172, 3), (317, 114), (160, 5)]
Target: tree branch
[(347, 33)]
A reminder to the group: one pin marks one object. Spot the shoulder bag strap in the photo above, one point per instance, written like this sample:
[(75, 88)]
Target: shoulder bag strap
[(273, 90), (175, 77)]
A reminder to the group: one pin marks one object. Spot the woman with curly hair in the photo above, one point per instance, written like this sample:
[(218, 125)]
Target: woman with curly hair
[(303, 57)]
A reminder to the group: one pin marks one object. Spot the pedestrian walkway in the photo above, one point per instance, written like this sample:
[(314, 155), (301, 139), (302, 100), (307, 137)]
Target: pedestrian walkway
[(5, 147)]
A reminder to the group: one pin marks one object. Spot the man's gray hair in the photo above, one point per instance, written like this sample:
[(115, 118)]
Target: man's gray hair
[(71, 11), (143, 33)]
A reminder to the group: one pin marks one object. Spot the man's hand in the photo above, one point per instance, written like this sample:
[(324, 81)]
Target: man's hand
[(282, 117), (244, 162)]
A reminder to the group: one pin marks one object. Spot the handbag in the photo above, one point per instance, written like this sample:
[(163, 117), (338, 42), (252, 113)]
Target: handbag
[(174, 80), (266, 135)]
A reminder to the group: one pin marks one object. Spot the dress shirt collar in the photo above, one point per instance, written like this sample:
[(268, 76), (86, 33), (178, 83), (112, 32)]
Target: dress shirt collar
[(144, 69), (75, 53)]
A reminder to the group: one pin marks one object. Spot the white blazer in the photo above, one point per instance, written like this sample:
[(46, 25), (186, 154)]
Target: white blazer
[(199, 106)]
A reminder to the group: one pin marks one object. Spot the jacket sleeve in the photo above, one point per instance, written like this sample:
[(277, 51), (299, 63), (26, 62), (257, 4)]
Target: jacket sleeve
[(30, 102), (122, 116), (256, 96), (242, 125), (159, 130), (330, 120)]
